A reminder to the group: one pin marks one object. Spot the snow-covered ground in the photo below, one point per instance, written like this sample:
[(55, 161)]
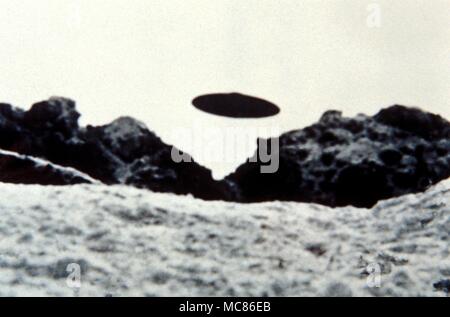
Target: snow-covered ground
[(127, 241)]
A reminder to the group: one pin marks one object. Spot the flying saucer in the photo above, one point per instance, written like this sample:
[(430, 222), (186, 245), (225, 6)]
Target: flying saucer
[(235, 105)]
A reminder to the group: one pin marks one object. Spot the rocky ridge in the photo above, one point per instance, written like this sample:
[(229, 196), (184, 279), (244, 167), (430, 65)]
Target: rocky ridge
[(353, 161), (337, 162), (123, 152)]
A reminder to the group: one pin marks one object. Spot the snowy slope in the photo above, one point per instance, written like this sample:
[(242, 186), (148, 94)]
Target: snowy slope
[(134, 242)]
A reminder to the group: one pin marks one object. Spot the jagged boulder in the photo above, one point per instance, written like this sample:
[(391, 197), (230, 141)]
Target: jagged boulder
[(143, 160), (123, 152), (56, 115), (50, 130), (353, 161), (127, 138)]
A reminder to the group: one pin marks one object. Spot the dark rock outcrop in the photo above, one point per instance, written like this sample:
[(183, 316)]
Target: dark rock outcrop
[(338, 161), (123, 152), (353, 161), (20, 169)]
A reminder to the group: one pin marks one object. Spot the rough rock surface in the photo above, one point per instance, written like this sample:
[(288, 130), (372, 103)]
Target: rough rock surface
[(20, 169), (353, 161), (336, 162), (123, 152), (132, 242)]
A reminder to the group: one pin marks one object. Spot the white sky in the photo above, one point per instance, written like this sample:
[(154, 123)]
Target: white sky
[(149, 58)]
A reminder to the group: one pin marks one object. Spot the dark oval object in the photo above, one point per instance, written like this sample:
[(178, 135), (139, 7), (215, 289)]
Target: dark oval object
[(235, 105)]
